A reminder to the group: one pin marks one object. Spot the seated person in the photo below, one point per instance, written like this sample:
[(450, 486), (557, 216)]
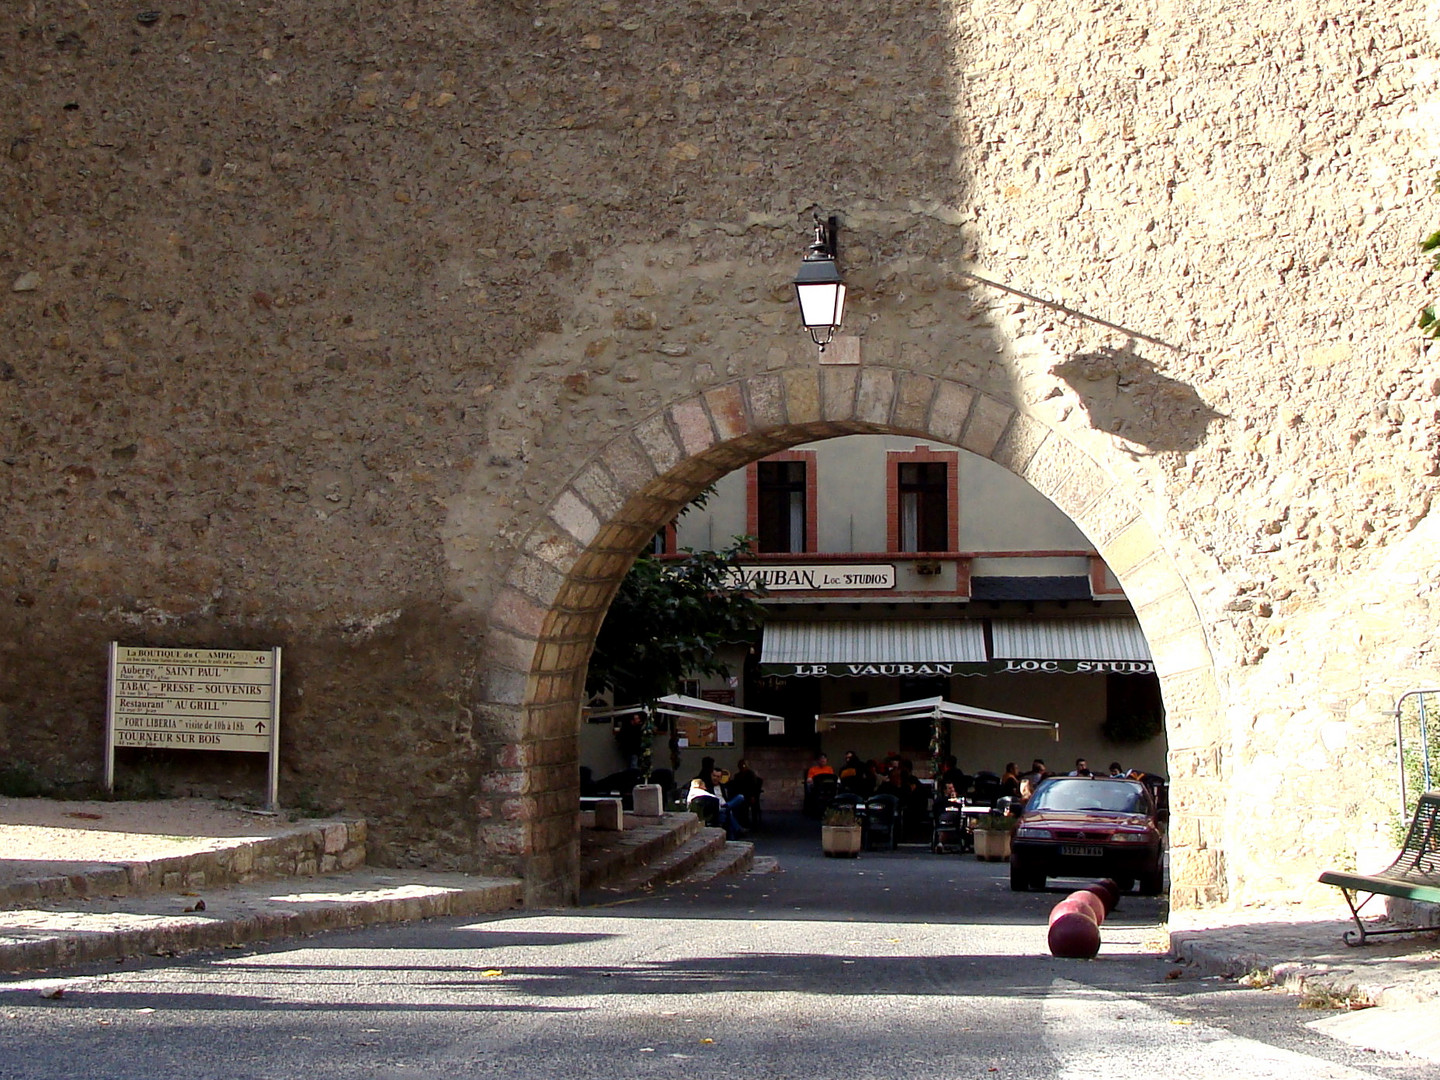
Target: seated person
[(708, 806), (893, 784), (820, 768), (950, 774), (852, 772), (747, 785), (1010, 782)]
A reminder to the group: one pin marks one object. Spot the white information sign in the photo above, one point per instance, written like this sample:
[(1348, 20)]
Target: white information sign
[(194, 699)]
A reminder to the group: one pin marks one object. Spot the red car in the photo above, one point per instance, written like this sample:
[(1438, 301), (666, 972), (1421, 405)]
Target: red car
[(1093, 827)]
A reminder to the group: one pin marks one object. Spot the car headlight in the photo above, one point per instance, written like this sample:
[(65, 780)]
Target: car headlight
[(1129, 838), (1030, 832)]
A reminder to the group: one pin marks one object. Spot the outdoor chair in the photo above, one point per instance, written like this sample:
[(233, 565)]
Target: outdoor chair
[(819, 794), (882, 820)]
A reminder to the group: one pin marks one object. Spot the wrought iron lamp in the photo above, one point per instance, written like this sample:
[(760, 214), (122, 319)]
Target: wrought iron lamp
[(819, 288)]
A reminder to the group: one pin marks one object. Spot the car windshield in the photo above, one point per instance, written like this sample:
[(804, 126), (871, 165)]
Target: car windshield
[(1078, 794)]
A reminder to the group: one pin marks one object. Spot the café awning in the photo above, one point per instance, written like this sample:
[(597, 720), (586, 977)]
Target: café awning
[(937, 709), (1070, 645), (914, 648)]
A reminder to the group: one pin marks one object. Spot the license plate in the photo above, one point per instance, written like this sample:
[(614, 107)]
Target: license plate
[(1075, 849)]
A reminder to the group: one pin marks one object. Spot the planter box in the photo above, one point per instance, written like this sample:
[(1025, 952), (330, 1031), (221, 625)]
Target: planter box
[(840, 841), (992, 845)]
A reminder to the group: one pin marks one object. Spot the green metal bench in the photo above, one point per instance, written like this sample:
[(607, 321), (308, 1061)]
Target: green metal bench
[(1414, 875)]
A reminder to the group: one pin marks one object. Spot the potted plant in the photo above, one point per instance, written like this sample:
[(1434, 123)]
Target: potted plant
[(840, 833), (992, 837)]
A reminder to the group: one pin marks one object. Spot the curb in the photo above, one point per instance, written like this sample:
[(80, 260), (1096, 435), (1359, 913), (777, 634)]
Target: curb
[(1293, 976), (37, 940)]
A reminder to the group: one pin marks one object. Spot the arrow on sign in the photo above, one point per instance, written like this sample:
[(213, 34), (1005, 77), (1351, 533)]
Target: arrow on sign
[(260, 726)]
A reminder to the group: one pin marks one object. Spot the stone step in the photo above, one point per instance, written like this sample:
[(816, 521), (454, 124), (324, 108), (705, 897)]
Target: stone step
[(63, 932), (765, 864), (307, 850), (736, 857), (606, 857), (673, 865)]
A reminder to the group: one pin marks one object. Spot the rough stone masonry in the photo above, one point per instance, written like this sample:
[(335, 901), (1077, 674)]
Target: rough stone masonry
[(386, 333)]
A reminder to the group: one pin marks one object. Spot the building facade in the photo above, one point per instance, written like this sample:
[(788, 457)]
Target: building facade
[(893, 569)]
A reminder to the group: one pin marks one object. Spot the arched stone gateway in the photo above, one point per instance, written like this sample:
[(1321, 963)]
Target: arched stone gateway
[(543, 624)]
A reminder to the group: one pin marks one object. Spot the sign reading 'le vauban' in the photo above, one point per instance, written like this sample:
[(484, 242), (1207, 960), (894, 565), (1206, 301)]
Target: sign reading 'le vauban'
[(909, 670), (194, 699), (997, 667), (816, 578)]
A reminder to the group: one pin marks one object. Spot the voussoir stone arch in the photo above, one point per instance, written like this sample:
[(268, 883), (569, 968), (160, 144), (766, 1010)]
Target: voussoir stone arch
[(542, 624)]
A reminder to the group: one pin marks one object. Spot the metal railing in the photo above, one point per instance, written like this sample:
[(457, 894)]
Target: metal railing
[(1421, 759)]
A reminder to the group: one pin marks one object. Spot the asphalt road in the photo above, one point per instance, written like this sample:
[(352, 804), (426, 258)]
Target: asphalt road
[(893, 965)]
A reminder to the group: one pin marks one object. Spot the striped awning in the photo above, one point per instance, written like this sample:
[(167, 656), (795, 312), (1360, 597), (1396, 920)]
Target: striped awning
[(894, 647), (1109, 644)]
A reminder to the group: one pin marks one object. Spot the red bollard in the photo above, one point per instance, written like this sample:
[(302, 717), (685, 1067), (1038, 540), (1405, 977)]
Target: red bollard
[(1074, 936)]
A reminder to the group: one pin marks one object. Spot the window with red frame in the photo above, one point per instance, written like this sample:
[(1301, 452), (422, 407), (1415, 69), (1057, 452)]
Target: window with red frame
[(924, 505), (780, 506)]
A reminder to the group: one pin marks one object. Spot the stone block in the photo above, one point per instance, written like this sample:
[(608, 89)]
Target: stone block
[(989, 420), (649, 800), (595, 485), (727, 411), (609, 813), (766, 394), (802, 396), (875, 396), (629, 465), (950, 411), (693, 425), (656, 438), (1020, 444), (912, 403), (837, 393), (572, 515), (335, 837)]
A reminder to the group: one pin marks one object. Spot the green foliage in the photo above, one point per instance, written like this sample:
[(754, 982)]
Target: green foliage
[(19, 780), (307, 805), (668, 623), (839, 817), (997, 822), (1429, 324), (140, 785)]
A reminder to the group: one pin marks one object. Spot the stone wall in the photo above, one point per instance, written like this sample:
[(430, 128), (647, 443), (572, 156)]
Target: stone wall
[(383, 334)]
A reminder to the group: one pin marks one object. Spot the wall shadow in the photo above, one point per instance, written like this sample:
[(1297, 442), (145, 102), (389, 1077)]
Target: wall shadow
[(1123, 393)]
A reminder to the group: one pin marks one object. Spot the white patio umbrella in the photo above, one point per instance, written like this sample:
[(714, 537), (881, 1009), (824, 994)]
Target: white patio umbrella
[(937, 710), (688, 708)]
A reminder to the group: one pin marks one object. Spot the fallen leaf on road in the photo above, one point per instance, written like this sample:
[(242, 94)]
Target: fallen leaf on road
[(1184, 1022), (83, 814), (491, 973), (707, 1040)]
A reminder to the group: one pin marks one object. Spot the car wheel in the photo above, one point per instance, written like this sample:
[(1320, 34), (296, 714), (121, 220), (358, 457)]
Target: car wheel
[(1020, 879), (1124, 884), (1152, 884), (1037, 882)]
